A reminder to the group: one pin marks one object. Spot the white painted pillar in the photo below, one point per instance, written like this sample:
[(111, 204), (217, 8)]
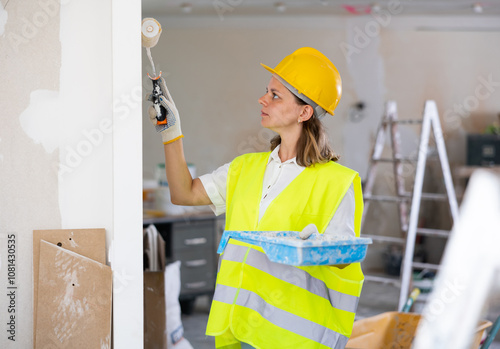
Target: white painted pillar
[(127, 175)]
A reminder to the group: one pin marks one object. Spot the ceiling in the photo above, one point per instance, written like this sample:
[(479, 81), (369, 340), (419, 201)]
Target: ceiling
[(319, 7)]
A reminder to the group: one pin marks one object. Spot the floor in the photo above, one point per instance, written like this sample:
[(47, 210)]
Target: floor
[(376, 298)]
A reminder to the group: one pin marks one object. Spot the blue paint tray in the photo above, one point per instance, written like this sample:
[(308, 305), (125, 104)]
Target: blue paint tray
[(287, 247)]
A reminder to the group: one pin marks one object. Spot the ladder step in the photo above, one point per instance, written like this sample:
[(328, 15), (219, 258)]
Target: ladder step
[(435, 196), (434, 232), (425, 266), (429, 196), (383, 238), (384, 280), (408, 121), (406, 197), (386, 198), (394, 160)]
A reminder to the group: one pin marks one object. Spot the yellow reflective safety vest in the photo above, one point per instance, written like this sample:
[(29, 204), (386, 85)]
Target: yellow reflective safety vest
[(276, 306)]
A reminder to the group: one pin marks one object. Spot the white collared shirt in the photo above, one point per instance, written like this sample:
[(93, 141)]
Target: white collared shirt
[(277, 177)]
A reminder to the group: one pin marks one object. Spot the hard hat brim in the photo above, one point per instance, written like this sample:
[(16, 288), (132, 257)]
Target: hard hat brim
[(269, 69)]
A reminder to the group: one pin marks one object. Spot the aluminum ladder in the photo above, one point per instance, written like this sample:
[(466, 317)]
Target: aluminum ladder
[(408, 217)]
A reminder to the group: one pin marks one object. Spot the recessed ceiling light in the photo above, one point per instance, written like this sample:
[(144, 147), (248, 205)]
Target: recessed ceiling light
[(280, 6), (477, 7), (376, 7), (186, 7)]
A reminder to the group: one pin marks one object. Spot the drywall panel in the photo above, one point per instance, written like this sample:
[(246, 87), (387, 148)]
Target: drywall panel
[(30, 56), (74, 300), (90, 243)]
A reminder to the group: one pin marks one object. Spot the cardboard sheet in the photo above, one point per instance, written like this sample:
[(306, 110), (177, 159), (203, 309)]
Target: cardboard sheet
[(74, 300), (394, 330), (155, 318), (90, 243), (155, 322)]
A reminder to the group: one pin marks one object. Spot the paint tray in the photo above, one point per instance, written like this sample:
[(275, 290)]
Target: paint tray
[(287, 247)]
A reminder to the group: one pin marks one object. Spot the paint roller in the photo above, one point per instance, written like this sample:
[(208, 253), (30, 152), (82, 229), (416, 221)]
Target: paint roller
[(150, 34), (308, 231)]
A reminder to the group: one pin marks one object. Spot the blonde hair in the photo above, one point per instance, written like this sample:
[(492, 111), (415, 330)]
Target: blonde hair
[(313, 146)]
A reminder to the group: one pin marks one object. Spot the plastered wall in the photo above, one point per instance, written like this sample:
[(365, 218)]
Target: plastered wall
[(31, 63), (213, 72), (63, 118)]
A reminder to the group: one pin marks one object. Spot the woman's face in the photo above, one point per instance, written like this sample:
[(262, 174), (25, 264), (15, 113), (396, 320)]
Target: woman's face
[(280, 109)]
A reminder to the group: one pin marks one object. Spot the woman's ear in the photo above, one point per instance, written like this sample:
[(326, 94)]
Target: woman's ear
[(307, 113)]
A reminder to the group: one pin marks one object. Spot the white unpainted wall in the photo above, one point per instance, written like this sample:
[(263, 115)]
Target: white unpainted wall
[(212, 69), (70, 144)]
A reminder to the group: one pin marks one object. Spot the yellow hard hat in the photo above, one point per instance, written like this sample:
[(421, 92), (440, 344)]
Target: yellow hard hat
[(311, 74)]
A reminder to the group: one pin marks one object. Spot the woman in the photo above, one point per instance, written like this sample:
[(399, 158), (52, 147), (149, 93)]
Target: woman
[(258, 303)]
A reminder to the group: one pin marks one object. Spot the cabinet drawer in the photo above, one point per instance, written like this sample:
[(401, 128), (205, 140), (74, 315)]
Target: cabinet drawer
[(195, 276), (198, 286), (196, 258), (197, 280), (198, 270), (193, 235)]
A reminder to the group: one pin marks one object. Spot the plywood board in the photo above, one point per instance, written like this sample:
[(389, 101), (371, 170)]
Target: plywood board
[(74, 300), (89, 243)]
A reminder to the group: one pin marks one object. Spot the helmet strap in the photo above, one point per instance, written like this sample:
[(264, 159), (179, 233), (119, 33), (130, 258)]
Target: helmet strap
[(319, 112)]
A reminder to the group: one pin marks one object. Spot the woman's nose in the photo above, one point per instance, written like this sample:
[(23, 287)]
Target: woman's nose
[(262, 101)]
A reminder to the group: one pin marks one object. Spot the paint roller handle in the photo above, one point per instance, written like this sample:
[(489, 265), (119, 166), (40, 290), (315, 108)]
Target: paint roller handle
[(163, 113)]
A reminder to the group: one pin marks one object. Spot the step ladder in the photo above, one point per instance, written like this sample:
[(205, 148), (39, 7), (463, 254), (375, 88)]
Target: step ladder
[(408, 216)]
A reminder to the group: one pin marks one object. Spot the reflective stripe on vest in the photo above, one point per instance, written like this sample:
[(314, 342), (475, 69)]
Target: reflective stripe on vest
[(279, 317), (295, 276)]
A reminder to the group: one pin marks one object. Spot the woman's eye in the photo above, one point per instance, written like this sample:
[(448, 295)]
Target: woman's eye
[(275, 96)]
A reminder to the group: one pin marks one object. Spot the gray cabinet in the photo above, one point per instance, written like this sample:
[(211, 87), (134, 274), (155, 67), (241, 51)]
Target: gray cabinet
[(193, 243)]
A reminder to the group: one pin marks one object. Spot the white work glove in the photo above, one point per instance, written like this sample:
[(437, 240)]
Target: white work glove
[(171, 130)]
